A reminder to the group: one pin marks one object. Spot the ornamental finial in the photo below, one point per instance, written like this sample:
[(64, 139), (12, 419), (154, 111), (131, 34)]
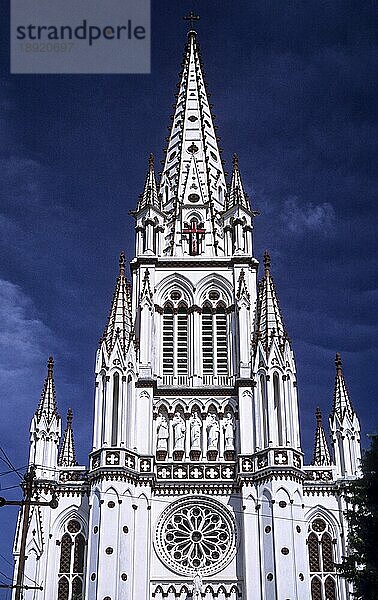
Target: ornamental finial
[(235, 160), (50, 368), (338, 363), (266, 261), (318, 414), (69, 417), (151, 162), (191, 17), (122, 262)]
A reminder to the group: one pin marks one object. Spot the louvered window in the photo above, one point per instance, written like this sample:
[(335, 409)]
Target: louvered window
[(221, 332), (71, 563), (207, 341), (182, 341), (168, 341), (321, 561), (175, 341), (214, 341)]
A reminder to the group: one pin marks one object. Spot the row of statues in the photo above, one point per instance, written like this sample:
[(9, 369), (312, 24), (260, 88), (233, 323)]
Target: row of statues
[(196, 424)]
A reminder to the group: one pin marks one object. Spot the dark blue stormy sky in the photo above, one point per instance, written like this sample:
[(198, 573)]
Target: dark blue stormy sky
[(293, 90)]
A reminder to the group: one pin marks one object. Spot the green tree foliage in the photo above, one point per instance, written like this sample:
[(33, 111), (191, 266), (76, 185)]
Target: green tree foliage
[(360, 567)]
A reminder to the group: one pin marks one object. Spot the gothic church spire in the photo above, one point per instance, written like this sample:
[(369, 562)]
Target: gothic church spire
[(341, 402), (192, 136), (67, 455), (269, 320), (119, 322), (236, 195), (321, 451), (149, 197), (47, 405)]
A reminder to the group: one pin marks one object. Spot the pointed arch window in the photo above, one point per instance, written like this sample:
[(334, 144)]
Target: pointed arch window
[(321, 561), (71, 562), (175, 340), (115, 411), (214, 340), (277, 407)]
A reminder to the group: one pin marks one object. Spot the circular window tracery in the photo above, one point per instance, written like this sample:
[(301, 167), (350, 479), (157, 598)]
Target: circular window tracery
[(196, 534)]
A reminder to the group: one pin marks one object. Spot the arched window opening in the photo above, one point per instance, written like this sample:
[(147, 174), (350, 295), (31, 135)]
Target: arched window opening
[(316, 589), (264, 402), (321, 561), (103, 407), (115, 412), (71, 564), (277, 407), (175, 340)]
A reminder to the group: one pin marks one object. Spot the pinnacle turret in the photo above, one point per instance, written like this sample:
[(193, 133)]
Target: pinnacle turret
[(269, 321), (321, 455), (149, 197), (47, 405), (341, 402), (119, 322), (236, 194), (67, 456)]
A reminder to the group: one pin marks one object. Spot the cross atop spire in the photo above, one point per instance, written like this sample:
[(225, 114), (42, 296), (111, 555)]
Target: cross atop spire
[(321, 455), (190, 18), (341, 401), (47, 404)]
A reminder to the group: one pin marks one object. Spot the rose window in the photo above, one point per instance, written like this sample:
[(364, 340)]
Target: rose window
[(196, 534)]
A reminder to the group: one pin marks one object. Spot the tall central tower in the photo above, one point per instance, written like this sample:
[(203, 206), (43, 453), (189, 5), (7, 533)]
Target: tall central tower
[(196, 431)]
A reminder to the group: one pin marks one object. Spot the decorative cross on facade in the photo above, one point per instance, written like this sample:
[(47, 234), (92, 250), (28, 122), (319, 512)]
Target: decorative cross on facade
[(180, 473), (228, 473), (196, 473), (195, 231), (130, 461), (164, 472), (212, 473), (191, 17), (112, 459), (281, 458), (145, 465)]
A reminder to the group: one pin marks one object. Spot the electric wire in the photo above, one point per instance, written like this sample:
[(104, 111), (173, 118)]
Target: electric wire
[(7, 460)]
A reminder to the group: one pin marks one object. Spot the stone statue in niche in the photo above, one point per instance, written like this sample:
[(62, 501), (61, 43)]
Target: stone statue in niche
[(212, 433), (195, 431), (179, 429), (229, 432), (197, 585), (162, 433)]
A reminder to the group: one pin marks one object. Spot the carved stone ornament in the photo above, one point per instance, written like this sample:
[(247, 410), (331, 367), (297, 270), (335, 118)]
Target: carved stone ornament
[(196, 536)]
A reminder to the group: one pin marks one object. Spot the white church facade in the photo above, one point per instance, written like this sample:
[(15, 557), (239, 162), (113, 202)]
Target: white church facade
[(196, 486)]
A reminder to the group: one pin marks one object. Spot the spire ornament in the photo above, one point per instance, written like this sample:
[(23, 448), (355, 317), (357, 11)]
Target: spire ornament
[(190, 18), (321, 455), (119, 324), (67, 455), (47, 404), (341, 401), (269, 324)]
